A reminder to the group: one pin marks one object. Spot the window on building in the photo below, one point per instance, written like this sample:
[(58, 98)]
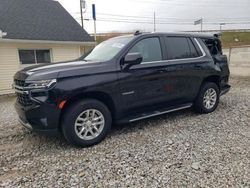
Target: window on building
[(34, 56)]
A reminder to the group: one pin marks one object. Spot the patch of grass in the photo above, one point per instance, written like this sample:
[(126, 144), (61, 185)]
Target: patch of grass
[(235, 39)]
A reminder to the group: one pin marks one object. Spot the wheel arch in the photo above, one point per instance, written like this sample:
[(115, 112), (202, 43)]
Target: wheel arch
[(97, 95), (214, 78)]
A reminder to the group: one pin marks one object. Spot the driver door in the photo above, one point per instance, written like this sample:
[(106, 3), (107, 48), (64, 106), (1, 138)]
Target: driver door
[(141, 85)]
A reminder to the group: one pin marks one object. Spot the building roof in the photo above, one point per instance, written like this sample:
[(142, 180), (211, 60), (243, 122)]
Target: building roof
[(39, 20)]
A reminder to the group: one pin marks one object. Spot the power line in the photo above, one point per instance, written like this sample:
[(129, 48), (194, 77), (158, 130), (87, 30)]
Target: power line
[(164, 20), (130, 20), (196, 4), (173, 18), (135, 16), (161, 22), (136, 19)]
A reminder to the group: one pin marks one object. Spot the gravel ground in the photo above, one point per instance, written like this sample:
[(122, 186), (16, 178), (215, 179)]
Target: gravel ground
[(181, 149)]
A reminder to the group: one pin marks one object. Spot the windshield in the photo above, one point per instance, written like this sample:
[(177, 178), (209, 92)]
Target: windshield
[(108, 49)]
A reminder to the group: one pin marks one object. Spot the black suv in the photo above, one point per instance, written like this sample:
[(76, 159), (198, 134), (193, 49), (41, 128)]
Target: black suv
[(123, 79)]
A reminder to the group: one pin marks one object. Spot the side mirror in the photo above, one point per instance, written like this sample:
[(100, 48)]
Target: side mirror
[(133, 58)]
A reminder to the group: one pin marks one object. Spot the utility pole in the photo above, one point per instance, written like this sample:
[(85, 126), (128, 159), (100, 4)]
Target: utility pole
[(82, 6), (201, 24), (154, 23), (95, 29)]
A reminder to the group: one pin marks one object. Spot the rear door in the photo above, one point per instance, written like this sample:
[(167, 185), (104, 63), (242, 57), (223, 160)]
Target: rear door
[(141, 85), (183, 69)]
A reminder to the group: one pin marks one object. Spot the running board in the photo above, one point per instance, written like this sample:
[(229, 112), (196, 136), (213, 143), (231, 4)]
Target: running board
[(159, 112)]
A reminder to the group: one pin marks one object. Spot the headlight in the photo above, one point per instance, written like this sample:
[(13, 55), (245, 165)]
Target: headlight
[(41, 84)]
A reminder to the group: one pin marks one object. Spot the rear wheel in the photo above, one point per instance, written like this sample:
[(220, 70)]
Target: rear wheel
[(208, 98), (86, 123)]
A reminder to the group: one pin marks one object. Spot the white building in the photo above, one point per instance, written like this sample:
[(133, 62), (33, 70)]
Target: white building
[(34, 32)]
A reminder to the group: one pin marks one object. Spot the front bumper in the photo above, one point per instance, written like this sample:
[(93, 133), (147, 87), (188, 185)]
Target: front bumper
[(39, 117), (25, 124)]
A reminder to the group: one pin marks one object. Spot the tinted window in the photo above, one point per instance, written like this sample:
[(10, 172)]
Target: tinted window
[(180, 48), (34, 56), (42, 56), (27, 56), (149, 48), (193, 50), (204, 47)]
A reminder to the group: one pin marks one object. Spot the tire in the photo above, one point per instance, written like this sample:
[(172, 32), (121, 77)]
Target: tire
[(201, 104), (86, 116)]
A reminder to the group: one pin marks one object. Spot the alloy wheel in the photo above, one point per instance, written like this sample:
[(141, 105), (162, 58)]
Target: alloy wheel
[(210, 98), (89, 124)]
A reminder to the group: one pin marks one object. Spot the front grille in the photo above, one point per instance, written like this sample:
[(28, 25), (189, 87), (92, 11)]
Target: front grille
[(22, 98), (20, 83)]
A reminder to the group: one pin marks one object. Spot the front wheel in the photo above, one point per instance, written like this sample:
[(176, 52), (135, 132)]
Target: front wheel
[(86, 123), (208, 98)]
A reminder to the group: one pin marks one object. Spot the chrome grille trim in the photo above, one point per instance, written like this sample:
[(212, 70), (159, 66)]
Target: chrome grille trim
[(23, 96)]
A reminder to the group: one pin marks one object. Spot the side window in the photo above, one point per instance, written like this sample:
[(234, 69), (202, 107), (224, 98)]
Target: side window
[(149, 48), (204, 46), (193, 51), (180, 48)]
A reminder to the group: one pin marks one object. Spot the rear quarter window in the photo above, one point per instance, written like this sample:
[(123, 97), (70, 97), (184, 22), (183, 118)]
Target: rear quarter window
[(193, 50), (204, 47)]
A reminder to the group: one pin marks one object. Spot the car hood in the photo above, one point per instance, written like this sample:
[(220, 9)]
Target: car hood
[(61, 69)]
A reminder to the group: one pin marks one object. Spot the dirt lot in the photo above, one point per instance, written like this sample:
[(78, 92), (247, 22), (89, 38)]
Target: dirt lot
[(181, 149)]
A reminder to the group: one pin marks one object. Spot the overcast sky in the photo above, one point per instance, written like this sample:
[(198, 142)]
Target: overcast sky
[(171, 15)]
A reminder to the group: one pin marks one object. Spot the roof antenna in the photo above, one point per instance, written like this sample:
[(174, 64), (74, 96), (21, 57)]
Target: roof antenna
[(137, 32)]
